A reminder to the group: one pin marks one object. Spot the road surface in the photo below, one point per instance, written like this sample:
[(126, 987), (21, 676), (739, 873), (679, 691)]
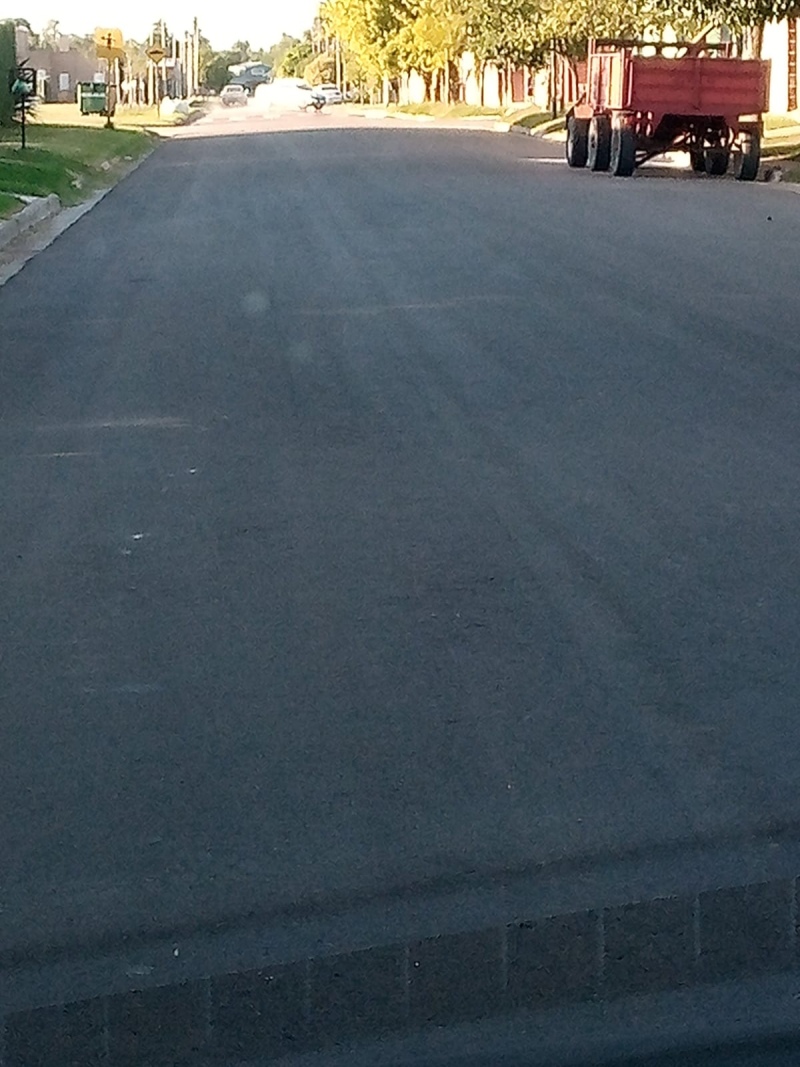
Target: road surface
[(384, 504)]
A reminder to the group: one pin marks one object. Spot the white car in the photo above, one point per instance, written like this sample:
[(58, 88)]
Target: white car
[(286, 94), (332, 94), (233, 96)]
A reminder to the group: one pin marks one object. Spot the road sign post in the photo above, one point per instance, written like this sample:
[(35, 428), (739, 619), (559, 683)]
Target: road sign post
[(156, 53), (21, 80), (110, 47)]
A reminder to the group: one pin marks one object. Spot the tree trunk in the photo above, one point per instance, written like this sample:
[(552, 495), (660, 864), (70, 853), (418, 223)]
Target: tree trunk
[(758, 40), (482, 82), (446, 77)]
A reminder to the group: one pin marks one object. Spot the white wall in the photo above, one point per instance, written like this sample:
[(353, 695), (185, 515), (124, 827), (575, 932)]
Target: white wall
[(469, 79), (540, 89), (412, 88), (775, 47), (472, 86)]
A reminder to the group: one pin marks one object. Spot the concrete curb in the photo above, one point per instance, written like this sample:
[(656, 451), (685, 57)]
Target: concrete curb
[(411, 118), (551, 126), (195, 114), (49, 226), (37, 211)]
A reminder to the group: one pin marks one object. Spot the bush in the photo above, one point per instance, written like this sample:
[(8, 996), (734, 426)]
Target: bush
[(8, 60)]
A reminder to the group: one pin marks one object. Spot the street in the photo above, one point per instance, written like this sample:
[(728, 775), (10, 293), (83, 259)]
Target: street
[(385, 504)]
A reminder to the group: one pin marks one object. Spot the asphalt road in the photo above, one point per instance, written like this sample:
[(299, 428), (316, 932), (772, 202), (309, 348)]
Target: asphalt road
[(382, 504)]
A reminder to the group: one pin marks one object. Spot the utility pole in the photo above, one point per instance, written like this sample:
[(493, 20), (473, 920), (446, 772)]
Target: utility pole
[(162, 67), (186, 59), (196, 58), (151, 75), (109, 68)]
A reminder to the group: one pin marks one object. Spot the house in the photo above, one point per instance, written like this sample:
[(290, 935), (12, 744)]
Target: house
[(59, 69)]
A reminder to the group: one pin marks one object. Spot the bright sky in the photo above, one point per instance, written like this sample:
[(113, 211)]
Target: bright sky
[(261, 22)]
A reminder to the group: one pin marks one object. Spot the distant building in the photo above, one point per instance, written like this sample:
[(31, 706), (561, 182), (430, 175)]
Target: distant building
[(251, 74), (58, 70)]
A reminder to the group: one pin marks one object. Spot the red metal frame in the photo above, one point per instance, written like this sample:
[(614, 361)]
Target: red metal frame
[(698, 99)]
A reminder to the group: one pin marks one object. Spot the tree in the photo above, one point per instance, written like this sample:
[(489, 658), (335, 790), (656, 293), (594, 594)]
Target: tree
[(216, 73), (206, 56), (507, 30), (736, 15), (371, 31), (273, 57), (430, 37), (322, 68), (295, 60), (50, 35), (8, 61), (33, 37)]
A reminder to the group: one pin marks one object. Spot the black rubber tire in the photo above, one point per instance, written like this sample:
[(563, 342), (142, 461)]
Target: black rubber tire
[(577, 141), (698, 160), (716, 161), (623, 149), (599, 151), (747, 158)]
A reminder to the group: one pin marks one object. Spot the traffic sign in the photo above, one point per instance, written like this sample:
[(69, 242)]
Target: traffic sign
[(156, 53), (109, 43)]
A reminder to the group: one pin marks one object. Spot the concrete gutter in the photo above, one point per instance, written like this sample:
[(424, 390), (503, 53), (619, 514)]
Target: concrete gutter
[(44, 225), (38, 210)]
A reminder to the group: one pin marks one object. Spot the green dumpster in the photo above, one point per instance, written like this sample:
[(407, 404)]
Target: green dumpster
[(92, 96)]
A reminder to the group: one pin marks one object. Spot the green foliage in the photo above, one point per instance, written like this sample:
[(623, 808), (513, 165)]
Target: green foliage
[(205, 57), (8, 60), (216, 73), (296, 58), (507, 30), (390, 37), (274, 56), (371, 30), (737, 15), (322, 68)]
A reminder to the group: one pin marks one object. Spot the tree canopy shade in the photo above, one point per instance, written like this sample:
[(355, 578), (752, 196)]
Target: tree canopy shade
[(392, 36), (735, 14)]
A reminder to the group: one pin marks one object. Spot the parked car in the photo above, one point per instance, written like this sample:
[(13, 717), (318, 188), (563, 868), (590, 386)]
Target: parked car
[(310, 97), (233, 96), (332, 94)]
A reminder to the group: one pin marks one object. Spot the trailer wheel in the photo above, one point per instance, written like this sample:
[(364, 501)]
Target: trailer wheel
[(716, 161), (748, 156), (599, 153), (623, 149), (698, 160), (577, 141)]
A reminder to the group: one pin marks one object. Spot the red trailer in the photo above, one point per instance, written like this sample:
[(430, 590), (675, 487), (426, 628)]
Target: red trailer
[(697, 99)]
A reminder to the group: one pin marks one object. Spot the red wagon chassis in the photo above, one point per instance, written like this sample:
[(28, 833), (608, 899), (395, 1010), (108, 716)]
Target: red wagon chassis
[(636, 106)]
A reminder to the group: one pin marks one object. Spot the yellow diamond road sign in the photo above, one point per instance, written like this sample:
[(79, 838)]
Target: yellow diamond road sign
[(156, 53)]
